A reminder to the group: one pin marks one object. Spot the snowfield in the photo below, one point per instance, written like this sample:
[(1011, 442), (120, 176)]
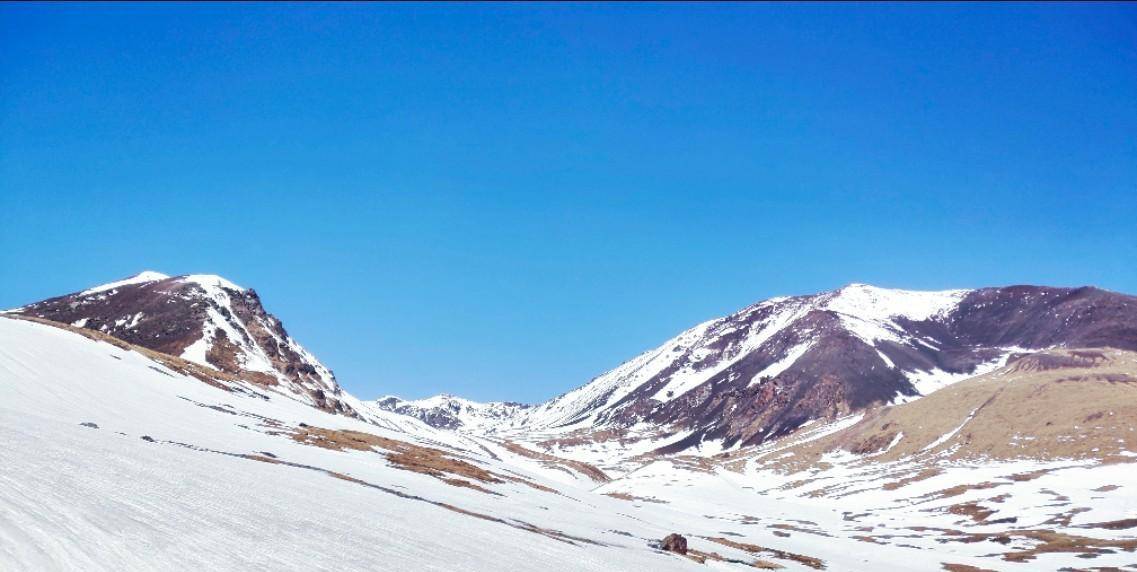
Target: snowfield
[(113, 461)]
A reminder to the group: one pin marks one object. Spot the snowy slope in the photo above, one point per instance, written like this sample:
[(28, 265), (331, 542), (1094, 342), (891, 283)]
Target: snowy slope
[(161, 482), (114, 461)]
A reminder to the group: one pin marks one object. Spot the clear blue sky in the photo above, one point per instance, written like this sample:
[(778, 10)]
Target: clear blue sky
[(504, 201)]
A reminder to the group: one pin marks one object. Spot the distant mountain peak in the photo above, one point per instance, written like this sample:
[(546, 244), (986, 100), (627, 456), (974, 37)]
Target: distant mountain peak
[(446, 411)]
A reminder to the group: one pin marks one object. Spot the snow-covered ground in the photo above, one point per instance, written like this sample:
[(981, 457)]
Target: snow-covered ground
[(179, 474), (176, 475)]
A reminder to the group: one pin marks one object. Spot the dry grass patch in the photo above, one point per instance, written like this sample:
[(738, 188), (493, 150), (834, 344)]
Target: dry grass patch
[(963, 568), (633, 498), (581, 467), (815, 563), (407, 456), (1054, 542), (1059, 404), (803, 530), (1123, 524), (920, 476), (972, 510), (766, 565), (960, 489)]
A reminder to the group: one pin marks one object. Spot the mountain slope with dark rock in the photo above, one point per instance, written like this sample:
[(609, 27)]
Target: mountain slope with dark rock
[(768, 369), (204, 319)]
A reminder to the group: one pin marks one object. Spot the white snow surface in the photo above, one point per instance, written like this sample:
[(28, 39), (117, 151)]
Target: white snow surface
[(140, 278), (211, 282), (77, 497), (880, 304)]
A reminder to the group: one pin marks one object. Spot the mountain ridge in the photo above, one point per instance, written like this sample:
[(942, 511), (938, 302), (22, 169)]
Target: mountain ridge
[(741, 379), (205, 319), (897, 344)]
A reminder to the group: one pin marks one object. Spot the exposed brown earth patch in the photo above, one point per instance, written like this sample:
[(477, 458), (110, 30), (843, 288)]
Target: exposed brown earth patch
[(1074, 359), (633, 498), (972, 510), (964, 568), (796, 528), (1064, 519), (1052, 542), (766, 565), (960, 489), (815, 563), (408, 456), (1030, 476), (1123, 524), (581, 437), (581, 467), (922, 475), (1045, 542)]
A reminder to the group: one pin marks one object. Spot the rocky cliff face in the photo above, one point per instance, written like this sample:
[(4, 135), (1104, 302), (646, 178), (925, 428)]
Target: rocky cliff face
[(204, 319)]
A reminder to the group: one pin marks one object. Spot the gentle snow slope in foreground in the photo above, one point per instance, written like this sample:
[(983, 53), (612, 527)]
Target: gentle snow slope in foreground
[(76, 497), (183, 475)]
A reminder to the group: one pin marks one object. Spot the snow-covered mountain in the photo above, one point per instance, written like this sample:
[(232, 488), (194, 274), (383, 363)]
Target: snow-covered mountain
[(769, 368), (754, 375), (204, 319), (450, 412), (174, 414)]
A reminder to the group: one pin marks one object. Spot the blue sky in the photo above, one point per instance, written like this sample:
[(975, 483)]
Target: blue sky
[(502, 201)]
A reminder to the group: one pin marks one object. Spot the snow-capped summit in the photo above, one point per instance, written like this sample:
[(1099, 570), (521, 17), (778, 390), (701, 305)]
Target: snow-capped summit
[(205, 319), (140, 278), (447, 411), (211, 281), (870, 302)]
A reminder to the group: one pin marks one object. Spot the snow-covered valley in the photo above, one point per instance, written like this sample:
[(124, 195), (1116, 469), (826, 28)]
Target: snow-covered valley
[(115, 461)]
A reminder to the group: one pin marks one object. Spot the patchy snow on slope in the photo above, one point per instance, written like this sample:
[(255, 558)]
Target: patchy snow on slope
[(947, 436), (775, 369), (575, 406), (929, 381), (758, 333)]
